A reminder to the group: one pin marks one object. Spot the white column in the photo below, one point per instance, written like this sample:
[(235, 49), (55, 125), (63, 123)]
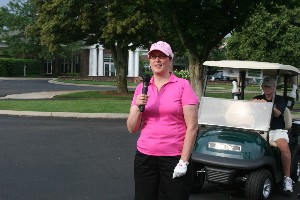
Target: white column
[(130, 64), (100, 61), (94, 62), (136, 62), (90, 61)]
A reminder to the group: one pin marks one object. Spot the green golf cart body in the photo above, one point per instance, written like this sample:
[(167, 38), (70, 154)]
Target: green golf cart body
[(233, 146)]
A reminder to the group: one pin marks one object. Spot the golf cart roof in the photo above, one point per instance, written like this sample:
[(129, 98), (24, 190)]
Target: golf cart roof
[(268, 68)]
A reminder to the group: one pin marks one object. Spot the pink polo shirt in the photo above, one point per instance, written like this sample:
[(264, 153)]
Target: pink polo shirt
[(164, 129)]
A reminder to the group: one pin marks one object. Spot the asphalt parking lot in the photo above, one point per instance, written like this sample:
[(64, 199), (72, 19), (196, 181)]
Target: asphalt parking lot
[(65, 158), (52, 158)]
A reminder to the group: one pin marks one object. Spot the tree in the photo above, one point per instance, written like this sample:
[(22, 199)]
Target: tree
[(116, 24), (199, 26), (195, 26), (219, 52), (270, 36), (13, 20)]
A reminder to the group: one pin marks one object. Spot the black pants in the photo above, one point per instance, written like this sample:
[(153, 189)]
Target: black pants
[(153, 178)]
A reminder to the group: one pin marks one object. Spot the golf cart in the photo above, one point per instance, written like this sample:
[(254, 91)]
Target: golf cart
[(233, 147)]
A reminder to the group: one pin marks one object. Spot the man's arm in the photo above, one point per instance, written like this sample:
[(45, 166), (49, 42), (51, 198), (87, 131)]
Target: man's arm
[(279, 106)]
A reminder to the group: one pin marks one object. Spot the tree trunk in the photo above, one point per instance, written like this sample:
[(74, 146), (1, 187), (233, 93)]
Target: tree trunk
[(122, 76), (120, 56), (196, 74), (195, 63)]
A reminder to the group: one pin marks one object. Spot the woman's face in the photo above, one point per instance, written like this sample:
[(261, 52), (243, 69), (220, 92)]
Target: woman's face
[(160, 63)]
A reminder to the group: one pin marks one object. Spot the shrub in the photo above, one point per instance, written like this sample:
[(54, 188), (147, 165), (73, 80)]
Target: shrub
[(11, 67), (182, 74)]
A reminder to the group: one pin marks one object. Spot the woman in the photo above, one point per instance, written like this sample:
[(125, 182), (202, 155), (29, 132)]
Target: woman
[(168, 131)]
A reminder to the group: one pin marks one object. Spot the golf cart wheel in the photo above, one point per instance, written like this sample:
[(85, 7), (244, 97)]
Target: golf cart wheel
[(199, 178), (295, 175), (259, 185)]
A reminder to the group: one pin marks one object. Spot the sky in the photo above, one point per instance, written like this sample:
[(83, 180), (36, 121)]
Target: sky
[(4, 2)]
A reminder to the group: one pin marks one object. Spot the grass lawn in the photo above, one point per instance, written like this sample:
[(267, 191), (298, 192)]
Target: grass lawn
[(82, 106), (112, 95), (83, 102)]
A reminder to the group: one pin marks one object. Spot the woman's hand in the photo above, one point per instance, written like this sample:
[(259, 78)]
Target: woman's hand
[(135, 117), (141, 99)]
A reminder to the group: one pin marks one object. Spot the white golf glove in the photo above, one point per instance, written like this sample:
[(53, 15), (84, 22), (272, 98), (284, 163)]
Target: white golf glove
[(180, 169)]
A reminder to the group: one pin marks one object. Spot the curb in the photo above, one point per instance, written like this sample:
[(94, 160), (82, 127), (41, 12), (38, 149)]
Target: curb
[(65, 114), (54, 81)]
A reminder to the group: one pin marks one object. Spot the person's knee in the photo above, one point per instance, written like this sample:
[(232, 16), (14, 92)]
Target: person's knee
[(281, 142), (282, 145)]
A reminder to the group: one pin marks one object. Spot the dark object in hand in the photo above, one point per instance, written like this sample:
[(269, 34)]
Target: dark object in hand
[(146, 80)]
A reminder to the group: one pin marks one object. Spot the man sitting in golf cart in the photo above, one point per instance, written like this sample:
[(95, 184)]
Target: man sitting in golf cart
[(277, 134)]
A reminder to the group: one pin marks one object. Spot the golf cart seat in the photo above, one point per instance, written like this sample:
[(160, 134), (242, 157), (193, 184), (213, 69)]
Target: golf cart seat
[(287, 119), (288, 125)]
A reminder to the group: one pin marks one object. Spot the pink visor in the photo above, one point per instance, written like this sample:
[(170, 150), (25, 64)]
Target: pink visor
[(163, 47)]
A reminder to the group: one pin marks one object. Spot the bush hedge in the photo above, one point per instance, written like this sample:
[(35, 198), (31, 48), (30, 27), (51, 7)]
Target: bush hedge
[(12, 67)]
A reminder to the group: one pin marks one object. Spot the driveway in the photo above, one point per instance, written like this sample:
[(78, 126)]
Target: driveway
[(9, 86)]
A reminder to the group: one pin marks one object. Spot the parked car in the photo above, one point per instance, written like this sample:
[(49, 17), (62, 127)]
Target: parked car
[(218, 76)]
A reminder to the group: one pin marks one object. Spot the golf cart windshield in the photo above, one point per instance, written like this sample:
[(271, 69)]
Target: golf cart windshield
[(236, 114)]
